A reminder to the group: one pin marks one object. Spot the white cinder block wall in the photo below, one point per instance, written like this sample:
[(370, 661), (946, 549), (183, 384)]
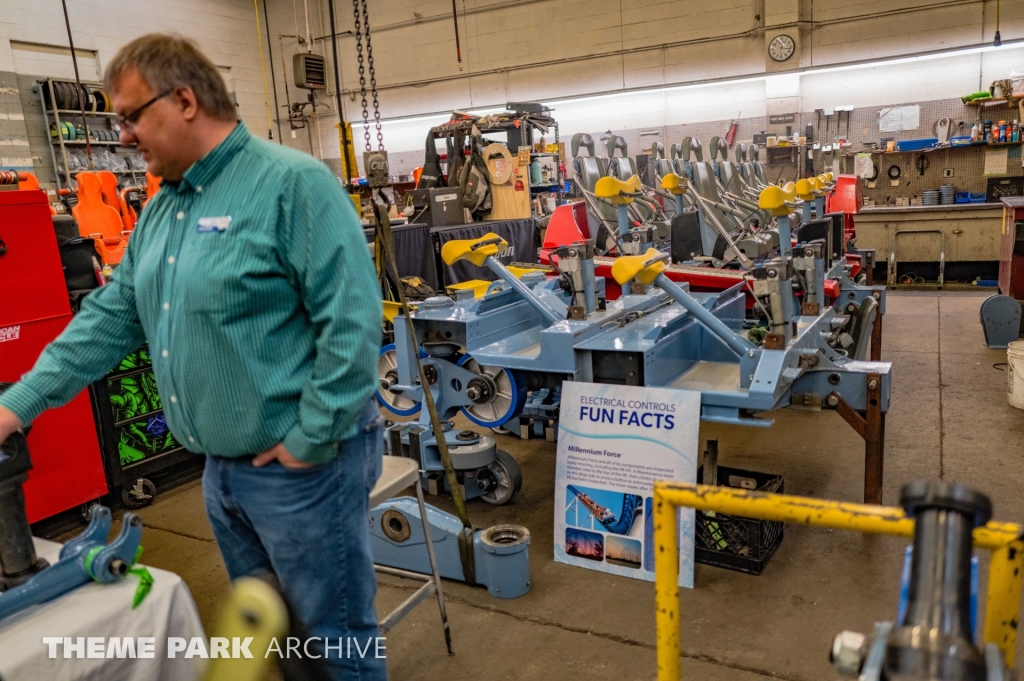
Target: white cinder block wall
[(224, 29), (549, 50)]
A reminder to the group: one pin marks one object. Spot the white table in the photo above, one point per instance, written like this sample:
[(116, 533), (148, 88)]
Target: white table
[(103, 610)]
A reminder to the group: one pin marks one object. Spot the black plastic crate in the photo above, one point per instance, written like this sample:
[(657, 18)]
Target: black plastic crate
[(733, 542), (998, 187)]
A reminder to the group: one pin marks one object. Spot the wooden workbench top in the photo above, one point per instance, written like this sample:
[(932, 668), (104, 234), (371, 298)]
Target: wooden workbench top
[(931, 209)]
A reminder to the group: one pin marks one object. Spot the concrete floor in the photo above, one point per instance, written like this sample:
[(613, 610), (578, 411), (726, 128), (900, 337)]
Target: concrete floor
[(949, 420)]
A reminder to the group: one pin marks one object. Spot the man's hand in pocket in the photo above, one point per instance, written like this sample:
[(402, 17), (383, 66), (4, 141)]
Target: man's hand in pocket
[(280, 454)]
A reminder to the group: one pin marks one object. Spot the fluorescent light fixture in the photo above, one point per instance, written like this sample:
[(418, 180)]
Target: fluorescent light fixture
[(927, 56), (392, 121), (783, 85), (431, 117), (652, 91), (774, 78)]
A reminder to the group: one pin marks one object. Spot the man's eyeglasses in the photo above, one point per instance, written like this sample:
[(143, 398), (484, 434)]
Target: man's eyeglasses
[(129, 120)]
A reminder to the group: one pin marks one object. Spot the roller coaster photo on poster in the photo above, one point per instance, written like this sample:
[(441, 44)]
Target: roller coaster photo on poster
[(614, 441)]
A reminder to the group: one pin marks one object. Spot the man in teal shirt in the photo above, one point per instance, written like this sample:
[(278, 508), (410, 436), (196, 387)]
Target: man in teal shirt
[(249, 277)]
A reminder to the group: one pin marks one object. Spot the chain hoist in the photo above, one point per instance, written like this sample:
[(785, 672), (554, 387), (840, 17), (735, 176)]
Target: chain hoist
[(361, 16), (375, 164)]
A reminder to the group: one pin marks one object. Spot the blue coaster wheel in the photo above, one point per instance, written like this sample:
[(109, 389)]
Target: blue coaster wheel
[(387, 368), (508, 400)]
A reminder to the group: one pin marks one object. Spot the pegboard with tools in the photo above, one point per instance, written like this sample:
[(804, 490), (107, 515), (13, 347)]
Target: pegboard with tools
[(967, 163), (859, 127), (918, 171)]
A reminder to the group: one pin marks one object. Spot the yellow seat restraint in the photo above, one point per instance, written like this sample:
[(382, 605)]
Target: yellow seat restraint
[(473, 250), (612, 189), (805, 189), (627, 267), (673, 184), (774, 198)]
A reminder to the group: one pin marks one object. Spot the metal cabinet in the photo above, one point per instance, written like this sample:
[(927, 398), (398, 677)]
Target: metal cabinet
[(963, 235)]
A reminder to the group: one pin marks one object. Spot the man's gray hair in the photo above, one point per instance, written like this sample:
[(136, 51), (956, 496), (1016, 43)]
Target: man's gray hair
[(167, 62)]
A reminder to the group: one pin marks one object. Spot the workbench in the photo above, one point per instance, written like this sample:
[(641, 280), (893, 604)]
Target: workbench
[(970, 232)]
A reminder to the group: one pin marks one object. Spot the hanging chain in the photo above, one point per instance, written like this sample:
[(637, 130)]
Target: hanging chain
[(362, 72), (373, 75), (362, 26)]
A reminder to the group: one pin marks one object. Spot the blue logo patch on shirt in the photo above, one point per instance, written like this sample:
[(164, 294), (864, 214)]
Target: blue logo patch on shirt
[(220, 224)]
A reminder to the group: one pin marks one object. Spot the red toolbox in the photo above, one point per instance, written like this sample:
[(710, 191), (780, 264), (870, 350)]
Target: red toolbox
[(34, 309)]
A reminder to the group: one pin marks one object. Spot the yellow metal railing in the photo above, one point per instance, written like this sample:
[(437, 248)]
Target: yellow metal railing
[(1004, 540)]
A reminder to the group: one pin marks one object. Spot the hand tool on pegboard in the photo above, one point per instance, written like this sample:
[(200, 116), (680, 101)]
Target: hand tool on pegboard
[(922, 164), (730, 137)]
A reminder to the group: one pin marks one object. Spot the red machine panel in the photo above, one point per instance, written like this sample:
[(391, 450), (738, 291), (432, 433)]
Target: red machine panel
[(34, 309), (847, 197), (1011, 248)]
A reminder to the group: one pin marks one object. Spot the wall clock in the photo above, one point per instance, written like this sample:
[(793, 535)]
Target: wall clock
[(781, 47)]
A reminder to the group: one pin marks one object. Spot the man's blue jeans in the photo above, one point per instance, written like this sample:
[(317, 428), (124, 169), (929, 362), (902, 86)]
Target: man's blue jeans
[(309, 527)]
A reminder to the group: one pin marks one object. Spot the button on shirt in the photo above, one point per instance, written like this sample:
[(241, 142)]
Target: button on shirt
[(251, 281)]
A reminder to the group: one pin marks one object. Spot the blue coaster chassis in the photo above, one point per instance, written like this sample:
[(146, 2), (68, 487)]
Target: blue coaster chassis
[(537, 332)]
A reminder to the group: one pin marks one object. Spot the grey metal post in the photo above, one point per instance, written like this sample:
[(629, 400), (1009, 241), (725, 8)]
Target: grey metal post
[(589, 283), (737, 344), (785, 236), (433, 565), (547, 314)]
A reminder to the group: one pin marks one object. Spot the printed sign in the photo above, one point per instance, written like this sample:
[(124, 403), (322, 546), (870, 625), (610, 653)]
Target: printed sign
[(10, 333), (899, 118), (614, 442)]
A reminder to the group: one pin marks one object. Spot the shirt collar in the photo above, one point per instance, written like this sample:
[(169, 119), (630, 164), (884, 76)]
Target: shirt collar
[(203, 171)]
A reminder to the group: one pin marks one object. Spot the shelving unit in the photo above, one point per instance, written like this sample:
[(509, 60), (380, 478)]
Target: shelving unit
[(789, 154), (1000, 101), (90, 114), (95, 143), (929, 150), (58, 145), (557, 187), (519, 132)]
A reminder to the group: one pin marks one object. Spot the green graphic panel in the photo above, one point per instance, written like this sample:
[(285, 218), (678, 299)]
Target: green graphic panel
[(135, 398)]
